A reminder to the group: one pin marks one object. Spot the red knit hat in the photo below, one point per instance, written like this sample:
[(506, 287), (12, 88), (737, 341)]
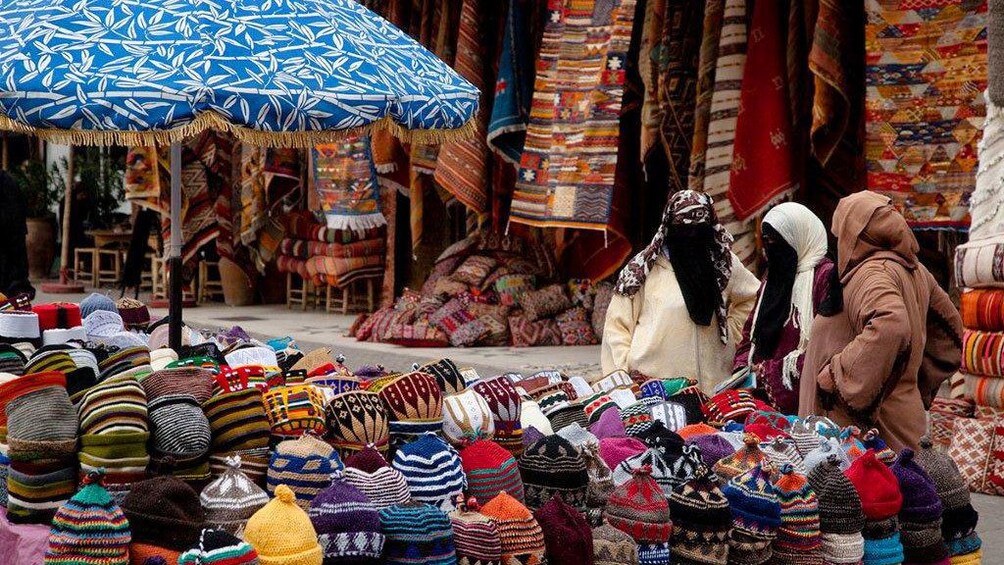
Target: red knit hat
[(728, 405), (490, 469), (567, 535), (877, 487), (640, 509)]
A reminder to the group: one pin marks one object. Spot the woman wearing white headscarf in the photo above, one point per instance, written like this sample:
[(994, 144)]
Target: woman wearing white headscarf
[(797, 286)]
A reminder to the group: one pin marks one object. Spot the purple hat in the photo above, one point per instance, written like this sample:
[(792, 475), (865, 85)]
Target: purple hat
[(609, 425), (530, 436), (713, 448), (921, 504), (348, 526)]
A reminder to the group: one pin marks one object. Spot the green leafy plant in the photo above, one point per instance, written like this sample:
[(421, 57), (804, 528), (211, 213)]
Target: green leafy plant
[(101, 174), (42, 186)]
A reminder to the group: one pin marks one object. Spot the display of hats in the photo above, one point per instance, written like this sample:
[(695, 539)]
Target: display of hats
[(640, 509), (433, 471), (415, 404), (671, 414), (746, 458), (89, 528), (798, 537), (877, 487), (567, 536), (347, 525), (103, 323), (701, 520), (613, 547), (447, 374), (306, 465), (520, 533), (466, 417), (294, 410), (95, 302), (475, 536), (356, 419), (416, 529), (134, 361), (553, 466), (164, 512), (382, 484), (490, 469), (504, 403), (231, 499), (219, 547), (920, 515), (756, 515), (282, 534)]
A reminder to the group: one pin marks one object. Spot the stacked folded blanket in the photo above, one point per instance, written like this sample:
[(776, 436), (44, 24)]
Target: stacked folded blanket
[(332, 257)]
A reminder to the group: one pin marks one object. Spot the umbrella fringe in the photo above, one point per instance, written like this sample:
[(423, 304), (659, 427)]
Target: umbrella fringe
[(260, 138)]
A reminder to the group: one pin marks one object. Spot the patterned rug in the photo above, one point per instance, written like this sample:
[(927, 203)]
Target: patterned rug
[(514, 85), (567, 168), (345, 180), (926, 70)]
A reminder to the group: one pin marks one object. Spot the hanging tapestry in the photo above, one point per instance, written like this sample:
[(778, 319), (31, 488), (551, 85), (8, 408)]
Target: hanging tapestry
[(678, 60), (345, 181), (253, 194), (283, 176), (763, 160), (142, 180), (567, 168), (926, 72), (514, 85), (706, 66), (649, 53)]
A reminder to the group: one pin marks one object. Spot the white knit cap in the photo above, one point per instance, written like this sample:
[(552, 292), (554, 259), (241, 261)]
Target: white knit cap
[(623, 397), (259, 356), (580, 386), (671, 414), (466, 416), (102, 323), (161, 358), (531, 415), (615, 379), (19, 324), (577, 435), (59, 336), (122, 340)]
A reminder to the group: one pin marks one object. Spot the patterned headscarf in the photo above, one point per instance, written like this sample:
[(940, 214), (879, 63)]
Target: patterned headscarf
[(686, 207)]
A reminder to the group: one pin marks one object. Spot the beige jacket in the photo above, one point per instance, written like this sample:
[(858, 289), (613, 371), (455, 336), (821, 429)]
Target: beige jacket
[(652, 333)]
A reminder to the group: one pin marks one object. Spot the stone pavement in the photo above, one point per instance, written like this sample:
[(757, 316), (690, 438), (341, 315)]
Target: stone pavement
[(315, 329)]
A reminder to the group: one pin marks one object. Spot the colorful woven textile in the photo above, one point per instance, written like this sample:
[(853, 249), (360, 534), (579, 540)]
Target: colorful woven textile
[(985, 391), (926, 70), (649, 58), (677, 67), (346, 183), (706, 67), (983, 353), (980, 263), (333, 271), (303, 249), (831, 102), (514, 85), (987, 202), (566, 173), (982, 310)]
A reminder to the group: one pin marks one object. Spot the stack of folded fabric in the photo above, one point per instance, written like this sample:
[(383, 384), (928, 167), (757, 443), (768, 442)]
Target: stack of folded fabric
[(331, 257)]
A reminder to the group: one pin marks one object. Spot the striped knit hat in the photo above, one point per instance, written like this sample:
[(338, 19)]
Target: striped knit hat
[(748, 457), (637, 418), (839, 503), (521, 535), (382, 484), (50, 358), (219, 547), (798, 538), (134, 361), (415, 405), (89, 528), (116, 405), (466, 417), (613, 380), (595, 404), (282, 534), (41, 421), (490, 469), (959, 518), (756, 515), (640, 509), (806, 439), (294, 410), (192, 381), (613, 547), (475, 536), (657, 467), (446, 373), (567, 536), (347, 525), (11, 360), (237, 420), (417, 531), (179, 428), (701, 521), (164, 512), (781, 452), (231, 499), (728, 405), (306, 465), (504, 404), (37, 490), (552, 466), (571, 414), (433, 471)]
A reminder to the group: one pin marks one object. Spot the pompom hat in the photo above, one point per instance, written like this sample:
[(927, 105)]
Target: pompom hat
[(701, 520), (89, 528), (231, 499), (347, 525), (282, 534), (640, 509), (756, 515)]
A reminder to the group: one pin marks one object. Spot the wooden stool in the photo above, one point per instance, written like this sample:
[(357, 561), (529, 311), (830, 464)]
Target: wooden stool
[(158, 278), (147, 276), (109, 267), (300, 292), (209, 286), (85, 265), (340, 299)]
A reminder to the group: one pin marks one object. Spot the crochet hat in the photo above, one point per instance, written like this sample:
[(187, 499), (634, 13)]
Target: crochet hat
[(504, 404), (756, 515), (490, 469), (89, 528), (179, 427), (781, 452), (294, 410), (701, 520), (415, 404), (50, 358), (415, 530), (959, 518), (466, 417), (116, 405), (640, 509), (102, 324), (382, 484), (567, 536), (135, 314), (347, 525), (193, 381), (713, 448), (826, 448), (219, 547), (306, 464), (839, 503), (746, 458), (666, 441), (11, 360), (554, 466), (237, 420), (609, 425), (356, 419), (129, 360), (613, 547), (432, 469), (282, 534), (884, 551), (877, 487), (567, 416), (522, 538), (41, 421), (447, 374), (231, 499), (637, 417), (475, 536), (798, 537), (164, 512), (615, 450), (577, 435), (95, 302), (531, 416), (920, 497), (657, 468)]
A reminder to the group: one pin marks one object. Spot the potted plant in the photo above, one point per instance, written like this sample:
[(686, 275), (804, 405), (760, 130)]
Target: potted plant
[(42, 188)]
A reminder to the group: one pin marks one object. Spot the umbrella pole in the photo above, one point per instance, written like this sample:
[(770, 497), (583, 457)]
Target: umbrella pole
[(174, 250)]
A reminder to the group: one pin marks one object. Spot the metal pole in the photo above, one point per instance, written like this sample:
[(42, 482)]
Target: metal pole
[(64, 253), (174, 250)]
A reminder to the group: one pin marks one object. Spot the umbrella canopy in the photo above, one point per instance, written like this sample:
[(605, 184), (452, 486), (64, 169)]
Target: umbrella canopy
[(274, 72)]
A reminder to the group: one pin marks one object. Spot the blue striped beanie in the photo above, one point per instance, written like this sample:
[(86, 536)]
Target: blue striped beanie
[(417, 533), (433, 471)]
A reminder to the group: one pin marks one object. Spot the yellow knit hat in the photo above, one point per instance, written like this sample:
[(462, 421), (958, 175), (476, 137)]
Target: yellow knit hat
[(282, 534), (974, 558)]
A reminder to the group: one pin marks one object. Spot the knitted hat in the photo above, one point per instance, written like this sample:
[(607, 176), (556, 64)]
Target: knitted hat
[(671, 414), (842, 548), (615, 450), (306, 464), (475, 536), (637, 418), (116, 405), (164, 512), (728, 405), (50, 358), (609, 425), (554, 466), (347, 525), (417, 531), (531, 416), (567, 536), (601, 482), (884, 551), (613, 547), (231, 499), (531, 436), (618, 378), (657, 468), (41, 421), (466, 417), (639, 508), (798, 538), (260, 356), (11, 360), (850, 441), (504, 404), (415, 404), (522, 538), (713, 448), (135, 314), (596, 404), (179, 427), (95, 302), (659, 437), (748, 457), (694, 430), (161, 358), (432, 469), (129, 360), (580, 386), (756, 515), (490, 469), (282, 534), (577, 435), (872, 440), (781, 452), (237, 420), (146, 554), (36, 489), (192, 381), (89, 528), (701, 520), (944, 472), (839, 503), (826, 448), (877, 487), (102, 324), (219, 547), (622, 397), (382, 484), (356, 419), (920, 496), (567, 416), (294, 410), (447, 374)]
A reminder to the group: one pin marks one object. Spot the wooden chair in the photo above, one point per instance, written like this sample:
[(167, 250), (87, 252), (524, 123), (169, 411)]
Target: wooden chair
[(109, 267), (85, 260), (210, 285), (341, 299), (300, 292)]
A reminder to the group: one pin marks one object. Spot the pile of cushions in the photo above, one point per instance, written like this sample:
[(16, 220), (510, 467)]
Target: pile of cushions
[(492, 290), (330, 257)]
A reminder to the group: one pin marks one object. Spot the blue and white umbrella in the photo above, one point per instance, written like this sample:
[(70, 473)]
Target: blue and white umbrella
[(272, 72)]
